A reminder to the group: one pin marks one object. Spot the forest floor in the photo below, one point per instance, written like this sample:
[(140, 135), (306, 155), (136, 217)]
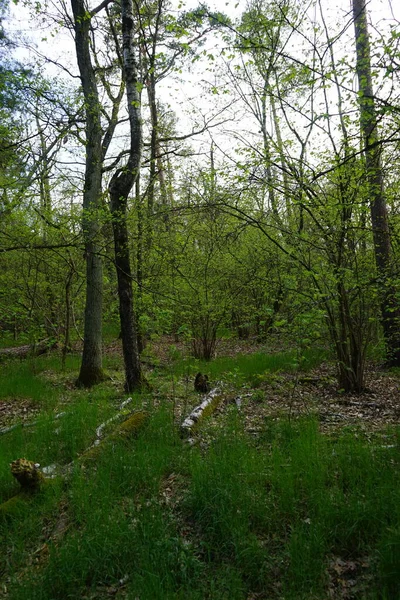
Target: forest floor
[(288, 394), (275, 394), (287, 492)]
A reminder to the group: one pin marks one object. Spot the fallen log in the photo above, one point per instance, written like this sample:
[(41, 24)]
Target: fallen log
[(99, 430), (124, 430), (32, 478), (28, 350), (208, 405)]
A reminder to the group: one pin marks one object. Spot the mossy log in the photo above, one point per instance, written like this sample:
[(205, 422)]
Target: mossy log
[(19, 503), (32, 479), (207, 407), (126, 429), (14, 505)]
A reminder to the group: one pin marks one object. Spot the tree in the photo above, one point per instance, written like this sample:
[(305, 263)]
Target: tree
[(91, 367), (374, 175), (119, 188), (33, 238), (4, 39), (324, 246)]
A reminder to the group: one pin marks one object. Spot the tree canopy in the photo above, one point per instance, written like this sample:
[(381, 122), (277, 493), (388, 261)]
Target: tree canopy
[(232, 173)]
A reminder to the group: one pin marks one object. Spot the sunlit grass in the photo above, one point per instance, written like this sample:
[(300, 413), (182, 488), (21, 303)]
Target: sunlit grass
[(249, 367), (19, 380)]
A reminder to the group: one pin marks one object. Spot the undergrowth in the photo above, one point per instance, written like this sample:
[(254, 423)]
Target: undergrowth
[(19, 380), (248, 368), (242, 517), (280, 510)]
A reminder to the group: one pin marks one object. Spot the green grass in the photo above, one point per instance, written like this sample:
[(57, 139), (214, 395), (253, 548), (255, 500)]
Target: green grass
[(52, 441), (26, 379), (281, 509), (240, 518), (250, 519), (19, 380), (251, 368)]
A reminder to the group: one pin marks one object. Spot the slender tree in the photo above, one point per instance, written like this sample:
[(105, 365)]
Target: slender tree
[(375, 181), (91, 367), (120, 187)]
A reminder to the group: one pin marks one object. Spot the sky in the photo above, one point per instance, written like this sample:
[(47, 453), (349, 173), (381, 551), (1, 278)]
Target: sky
[(37, 34), (187, 93)]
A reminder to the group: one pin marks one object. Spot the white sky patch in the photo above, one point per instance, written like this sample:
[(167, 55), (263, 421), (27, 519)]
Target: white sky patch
[(202, 89)]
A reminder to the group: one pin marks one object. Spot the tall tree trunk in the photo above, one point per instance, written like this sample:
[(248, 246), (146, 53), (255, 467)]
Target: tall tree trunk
[(151, 94), (91, 367), (139, 263), (279, 141), (374, 174), (51, 321), (157, 170), (68, 310), (267, 152), (119, 188), (170, 184)]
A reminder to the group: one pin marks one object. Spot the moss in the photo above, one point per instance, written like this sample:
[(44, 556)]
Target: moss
[(126, 429), (89, 377), (130, 426), (186, 430), (211, 407), (15, 505)]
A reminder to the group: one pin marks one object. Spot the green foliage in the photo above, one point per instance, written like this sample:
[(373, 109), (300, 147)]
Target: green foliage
[(274, 242)]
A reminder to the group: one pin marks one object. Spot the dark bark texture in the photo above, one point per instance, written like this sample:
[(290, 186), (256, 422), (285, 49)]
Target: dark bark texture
[(120, 187)]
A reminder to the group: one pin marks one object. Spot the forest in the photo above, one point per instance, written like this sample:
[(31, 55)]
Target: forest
[(199, 300)]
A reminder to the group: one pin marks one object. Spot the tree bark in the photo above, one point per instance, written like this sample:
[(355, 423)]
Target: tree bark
[(207, 407), (156, 163), (51, 321), (120, 188), (379, 218), (139, 264), (91, 366)]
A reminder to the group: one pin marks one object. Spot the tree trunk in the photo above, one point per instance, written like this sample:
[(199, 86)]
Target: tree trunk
[(150, 85), (68, 311), (91, 367), (157, 170), (51, 321), (120, 187), (125, 293), (379, 219), (139, 264), (279, 141), (267, 153)]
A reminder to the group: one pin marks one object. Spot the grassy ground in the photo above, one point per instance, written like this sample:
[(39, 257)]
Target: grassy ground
[(289, 513)]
